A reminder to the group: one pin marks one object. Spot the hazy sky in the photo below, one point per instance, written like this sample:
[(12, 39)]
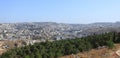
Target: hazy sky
[(61, 11)]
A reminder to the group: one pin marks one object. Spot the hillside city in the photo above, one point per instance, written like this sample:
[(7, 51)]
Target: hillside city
[(53, 31)]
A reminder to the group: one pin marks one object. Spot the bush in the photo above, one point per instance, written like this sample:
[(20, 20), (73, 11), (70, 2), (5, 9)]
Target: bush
[(110, 44)]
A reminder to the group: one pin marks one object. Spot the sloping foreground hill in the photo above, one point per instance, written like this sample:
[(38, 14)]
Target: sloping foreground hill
[(103, 52), (60, 48)]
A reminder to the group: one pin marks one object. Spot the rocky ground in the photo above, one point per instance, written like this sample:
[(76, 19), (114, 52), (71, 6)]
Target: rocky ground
[(7, 45), (98, 53), (1, 49)]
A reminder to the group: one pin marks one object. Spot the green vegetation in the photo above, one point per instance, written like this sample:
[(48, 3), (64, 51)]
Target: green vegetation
[(63, 47), (110, 44)]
